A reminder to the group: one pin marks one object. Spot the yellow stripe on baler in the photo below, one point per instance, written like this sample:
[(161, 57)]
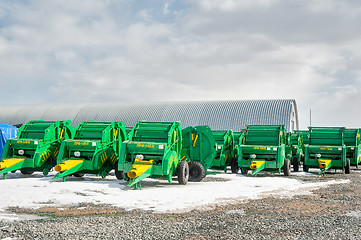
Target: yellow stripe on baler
[(10, 162), (139, 167), (256, 164), (194, 144), (67, 165)]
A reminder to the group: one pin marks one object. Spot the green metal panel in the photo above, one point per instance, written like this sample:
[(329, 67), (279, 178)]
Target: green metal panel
[(325, 144), (128, 129), (295, 142), (353, 148), (159, 144), (198, 145), (264, 144), (224, 149), (237, 137), (36, 147), (93, 149), (305, 136)]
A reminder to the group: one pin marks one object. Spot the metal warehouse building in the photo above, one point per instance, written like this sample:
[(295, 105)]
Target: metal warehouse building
[(219, 115)]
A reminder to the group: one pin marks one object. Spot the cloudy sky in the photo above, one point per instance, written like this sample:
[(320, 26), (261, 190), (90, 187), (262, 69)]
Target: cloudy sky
[(64, 51)]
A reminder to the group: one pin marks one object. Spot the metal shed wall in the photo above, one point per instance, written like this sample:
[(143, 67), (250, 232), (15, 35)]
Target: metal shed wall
[(219, 115)]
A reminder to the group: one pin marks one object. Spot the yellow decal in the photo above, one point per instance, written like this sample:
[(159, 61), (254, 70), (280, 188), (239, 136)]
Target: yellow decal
[(45, 155), (324, 163), (145, 145), (103, 157), (10, 162), (195, 141), (328, 149), (115, 134), (262, 148), (113, 158), (22, 141), (256, 164), (61, 131), (81, 143)]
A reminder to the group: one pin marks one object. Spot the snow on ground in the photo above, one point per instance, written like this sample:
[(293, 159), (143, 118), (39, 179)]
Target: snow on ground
[(158, 195)]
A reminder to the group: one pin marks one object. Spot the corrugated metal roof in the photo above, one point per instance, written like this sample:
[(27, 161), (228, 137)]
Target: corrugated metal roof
[(219, 115)]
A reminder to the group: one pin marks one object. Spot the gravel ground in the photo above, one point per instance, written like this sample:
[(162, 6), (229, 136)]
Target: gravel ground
[(330, 213)]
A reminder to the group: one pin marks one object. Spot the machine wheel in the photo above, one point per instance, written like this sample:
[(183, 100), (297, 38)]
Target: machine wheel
[(26, 172), (78, 174), (13, 171), (244, 171), (234, 165), (287, 167), (196, 172), (118, 174), (347, 168), (183, 172), (46, 171), (296, 164), (305, 168)]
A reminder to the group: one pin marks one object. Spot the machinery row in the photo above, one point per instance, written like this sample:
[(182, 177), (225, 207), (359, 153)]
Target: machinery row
[(164, 150)]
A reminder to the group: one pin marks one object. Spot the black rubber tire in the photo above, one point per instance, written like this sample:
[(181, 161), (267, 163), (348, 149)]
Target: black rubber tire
[(244, 171), (296, 164), (183, 173), (118, 174), (234, 165), (25, 172), (305, 168), (196, 172), (287, 167), (347, 168), (78, 174), (13, 171)]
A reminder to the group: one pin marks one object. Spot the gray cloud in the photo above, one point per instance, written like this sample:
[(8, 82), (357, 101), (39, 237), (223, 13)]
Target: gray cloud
[(95, 51)]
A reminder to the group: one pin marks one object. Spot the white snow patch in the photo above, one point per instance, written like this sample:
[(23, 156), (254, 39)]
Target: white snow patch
[(156, 195), (10, 217), (238, 211), (356, 214)]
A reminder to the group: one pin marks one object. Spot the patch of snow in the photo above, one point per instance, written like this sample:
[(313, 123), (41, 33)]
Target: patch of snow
[(309, 173), (356, 214), (156, 195), (10, 217), (239, 212)]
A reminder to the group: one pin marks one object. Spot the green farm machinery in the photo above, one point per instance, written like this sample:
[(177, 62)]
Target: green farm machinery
[(237, 136), (36, 147), (304, 135), (326, 150), (295, 143), (353, 147), (199, 150), (263, 147), (93, 149), (153, 150), (224, 149), (128, 129)]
